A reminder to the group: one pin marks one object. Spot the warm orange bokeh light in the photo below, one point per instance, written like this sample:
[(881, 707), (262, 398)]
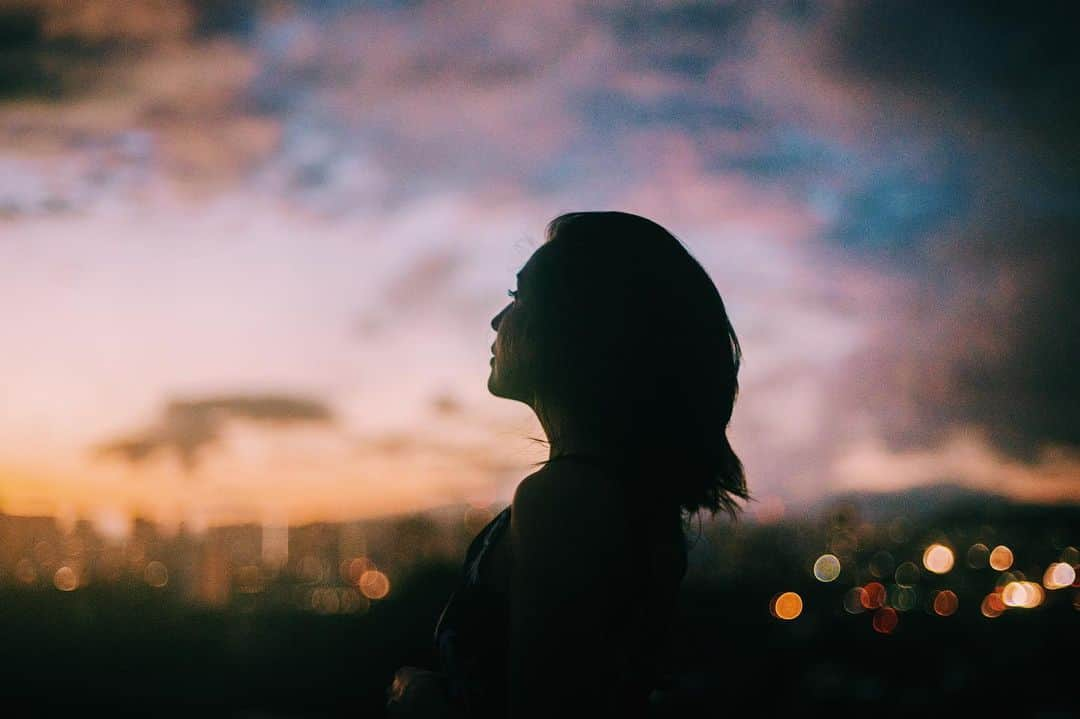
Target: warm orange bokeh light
[(992, 606), (788, 605), (65, 579), (938, 558), (1059, 575), (1001, 558), (374, 584), (946, 603), (1022, 594)]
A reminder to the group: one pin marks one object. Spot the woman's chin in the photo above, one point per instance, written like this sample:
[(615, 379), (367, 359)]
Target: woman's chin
[(497, 386), (493, 384)]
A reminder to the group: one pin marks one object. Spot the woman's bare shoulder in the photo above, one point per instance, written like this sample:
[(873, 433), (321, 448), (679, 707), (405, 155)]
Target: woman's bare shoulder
[(569, 484), (576, 507)]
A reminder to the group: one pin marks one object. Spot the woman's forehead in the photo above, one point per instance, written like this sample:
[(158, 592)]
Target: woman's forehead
[(536, 263), (530, 268)]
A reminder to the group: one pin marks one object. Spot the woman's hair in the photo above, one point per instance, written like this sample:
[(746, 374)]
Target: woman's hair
[(633, 344)]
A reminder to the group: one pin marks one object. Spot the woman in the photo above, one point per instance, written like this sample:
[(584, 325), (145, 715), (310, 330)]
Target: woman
[(619, 341)]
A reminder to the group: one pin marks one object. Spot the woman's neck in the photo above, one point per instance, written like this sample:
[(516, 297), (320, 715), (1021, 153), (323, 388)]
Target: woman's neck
[(568, 436), (592, 448)]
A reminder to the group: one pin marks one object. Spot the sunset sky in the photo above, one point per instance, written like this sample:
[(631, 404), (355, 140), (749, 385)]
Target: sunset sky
[(251, 250)]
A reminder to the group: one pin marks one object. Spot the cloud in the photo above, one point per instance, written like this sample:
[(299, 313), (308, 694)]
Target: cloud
[(888, 222), (425, 278), (956, 128), (1012, 67), (102, 100), (988, 342), (186, 427), (964, 456)]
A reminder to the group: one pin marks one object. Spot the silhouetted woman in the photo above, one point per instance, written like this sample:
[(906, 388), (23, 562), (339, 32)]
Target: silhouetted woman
[(619, 341)]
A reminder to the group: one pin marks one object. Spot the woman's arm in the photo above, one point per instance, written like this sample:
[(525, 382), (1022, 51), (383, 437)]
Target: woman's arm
[(570, 584)]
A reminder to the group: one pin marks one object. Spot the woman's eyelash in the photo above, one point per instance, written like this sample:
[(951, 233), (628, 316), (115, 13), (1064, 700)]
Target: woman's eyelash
[(512, 293)]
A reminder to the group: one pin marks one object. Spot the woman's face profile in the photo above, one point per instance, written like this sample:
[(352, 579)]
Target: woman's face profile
[(508, 366)]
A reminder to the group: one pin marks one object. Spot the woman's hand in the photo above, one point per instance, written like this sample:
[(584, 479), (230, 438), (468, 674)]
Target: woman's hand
[(417, 692)]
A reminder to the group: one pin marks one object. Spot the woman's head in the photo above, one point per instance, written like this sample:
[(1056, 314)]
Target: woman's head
[(620, 342)]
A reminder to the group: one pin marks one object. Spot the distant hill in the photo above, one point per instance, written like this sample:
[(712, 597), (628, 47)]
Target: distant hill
[(940, 500)]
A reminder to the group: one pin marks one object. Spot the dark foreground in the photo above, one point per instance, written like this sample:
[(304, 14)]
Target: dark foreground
[(125, 647)]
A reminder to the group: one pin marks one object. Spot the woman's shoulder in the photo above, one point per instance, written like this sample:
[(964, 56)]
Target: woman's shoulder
[(563, 509), (569, 486)]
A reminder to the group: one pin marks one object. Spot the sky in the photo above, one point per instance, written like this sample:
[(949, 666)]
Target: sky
[(251, 250)]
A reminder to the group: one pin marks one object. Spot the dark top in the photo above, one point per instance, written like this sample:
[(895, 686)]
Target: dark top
[(471, 635)]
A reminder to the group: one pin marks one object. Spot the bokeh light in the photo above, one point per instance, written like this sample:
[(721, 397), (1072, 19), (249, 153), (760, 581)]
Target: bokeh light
[(945, 603), (1036, 594), (1059, 575), (1022, 594), (25, 571), (992, 606), (978, 555), (156, 574), (44, 553), (787, 606), (901, 598), (355, 568), (885, 620), (853, 600), (938, 559), (1001, 558), (65, 579), (907, 574), (827, 568), (873, 595), (374, 584)]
